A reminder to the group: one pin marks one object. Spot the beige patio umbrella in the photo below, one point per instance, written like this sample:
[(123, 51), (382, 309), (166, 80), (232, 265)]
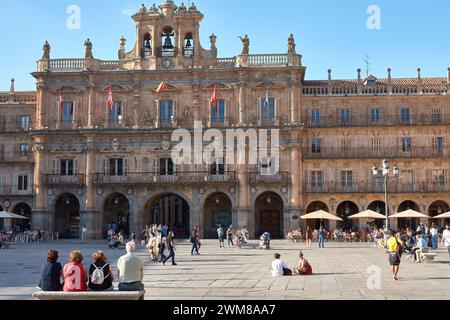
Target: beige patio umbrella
[(320, 215), (443, 216), (10, 215), (368, 214), (409, 214)]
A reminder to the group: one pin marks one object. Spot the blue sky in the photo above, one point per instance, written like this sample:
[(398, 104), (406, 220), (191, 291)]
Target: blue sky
[(329, 33)]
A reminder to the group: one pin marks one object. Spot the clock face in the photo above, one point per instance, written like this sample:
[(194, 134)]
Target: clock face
[(166, 63)]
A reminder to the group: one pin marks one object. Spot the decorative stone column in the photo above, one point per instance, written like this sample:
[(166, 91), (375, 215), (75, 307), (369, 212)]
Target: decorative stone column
[(241, 103), (91, 211), (294, 88), (43, 216), (91, 104)]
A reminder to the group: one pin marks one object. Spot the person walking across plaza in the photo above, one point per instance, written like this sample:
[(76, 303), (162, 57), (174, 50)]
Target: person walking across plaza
[(446, 239), (434, 233), (195, 239), (230, 238), (83, 234), (308, 236), (221, 236), (395, 248), (131, 270), (321, 235), (171, 247)]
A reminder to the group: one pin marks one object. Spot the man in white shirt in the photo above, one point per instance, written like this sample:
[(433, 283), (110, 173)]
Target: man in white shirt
[(279, 267), (446, 239)]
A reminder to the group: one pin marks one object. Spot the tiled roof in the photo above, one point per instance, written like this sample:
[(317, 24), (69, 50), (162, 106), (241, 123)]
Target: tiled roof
[(382, 82)]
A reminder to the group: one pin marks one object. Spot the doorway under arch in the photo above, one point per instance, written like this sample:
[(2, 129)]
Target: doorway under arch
[(380, 207), (25, 210), (315, 224), (116, 213), (218, 210), (404, 223), (169, 209), (67, 216), (269, 215), (437, 208), (344, 210)]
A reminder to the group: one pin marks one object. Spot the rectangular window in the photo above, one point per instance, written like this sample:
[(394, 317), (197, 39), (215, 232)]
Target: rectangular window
[(22, 183), (405, 116), (218, 114), (345, 116), (166, 167), (166, 112), (218, 167), (316, 179), (406, 144), (24, 150), (25, 122), (315, 117), (67, 168), (345, 145), (316, 146), (268, 110), (436, 115), (115, 113), (376, 116), (438, 144), (68, 113), (347, 178), (438, 177), (375, 144), (116, 167)]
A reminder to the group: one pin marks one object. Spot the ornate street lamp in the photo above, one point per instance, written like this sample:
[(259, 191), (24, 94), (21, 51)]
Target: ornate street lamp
[(386, 174)]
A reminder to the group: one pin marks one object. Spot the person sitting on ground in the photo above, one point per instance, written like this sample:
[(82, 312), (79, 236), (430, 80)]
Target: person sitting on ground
[(51, 273), (279, 267), (100, 274), (304, 268), (75, 275), (131, 270), (119, 241)]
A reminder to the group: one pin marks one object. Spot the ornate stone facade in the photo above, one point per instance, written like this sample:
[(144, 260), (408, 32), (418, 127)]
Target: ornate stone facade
[(93, 165)]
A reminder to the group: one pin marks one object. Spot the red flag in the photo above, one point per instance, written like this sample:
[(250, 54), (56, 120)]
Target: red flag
[(110, 97), (213, 99), (161, 88)]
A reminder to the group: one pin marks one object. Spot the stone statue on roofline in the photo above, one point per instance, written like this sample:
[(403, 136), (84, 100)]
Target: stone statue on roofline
[(291, 45), (245, 45), (88, 51), (182, 8), (46, 50), (154, 9)]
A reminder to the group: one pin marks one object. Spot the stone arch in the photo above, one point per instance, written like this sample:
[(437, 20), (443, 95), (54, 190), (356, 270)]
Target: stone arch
[(116, 213), (380, 207), (67, 216), (217, 209), (269, 214), (312, 207), (344, 210), (436, 208), (23, 209), (408, 223)]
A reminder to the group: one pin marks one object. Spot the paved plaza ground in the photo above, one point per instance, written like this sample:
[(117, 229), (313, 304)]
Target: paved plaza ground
[(341, 272)]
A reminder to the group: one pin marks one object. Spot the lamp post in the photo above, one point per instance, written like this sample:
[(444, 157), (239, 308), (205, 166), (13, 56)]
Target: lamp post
[(386, 174)]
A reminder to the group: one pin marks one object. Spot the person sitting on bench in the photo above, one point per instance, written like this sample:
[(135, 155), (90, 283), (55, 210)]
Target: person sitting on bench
[(119, 241), (131, 270)]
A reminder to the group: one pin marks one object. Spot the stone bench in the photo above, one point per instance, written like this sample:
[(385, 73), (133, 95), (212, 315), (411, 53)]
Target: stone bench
[(248, 246), (89, 295), (121, 246), (428, 257)]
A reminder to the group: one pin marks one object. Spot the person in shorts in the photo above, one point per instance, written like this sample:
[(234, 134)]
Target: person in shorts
[(395, 248)]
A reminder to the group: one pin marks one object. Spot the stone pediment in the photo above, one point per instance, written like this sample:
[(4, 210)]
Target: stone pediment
[(267, 85), (168, 88), (116, 88), (67, 89), (219, 86)]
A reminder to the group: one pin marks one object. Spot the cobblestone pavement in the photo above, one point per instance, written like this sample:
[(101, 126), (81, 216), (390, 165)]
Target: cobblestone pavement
[(341, 271)]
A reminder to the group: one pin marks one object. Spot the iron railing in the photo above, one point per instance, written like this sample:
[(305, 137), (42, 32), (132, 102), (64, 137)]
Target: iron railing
[(396, 152), (370, 187), (280, 177), (65, 180)]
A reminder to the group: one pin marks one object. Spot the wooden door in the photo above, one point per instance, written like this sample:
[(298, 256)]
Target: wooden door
[(270, 221)]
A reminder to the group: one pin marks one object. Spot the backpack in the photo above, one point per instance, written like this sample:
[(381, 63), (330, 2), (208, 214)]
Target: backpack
[(98, 276)]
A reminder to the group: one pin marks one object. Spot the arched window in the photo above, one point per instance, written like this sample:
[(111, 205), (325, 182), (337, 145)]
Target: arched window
[(147, 46), (188, 50), (168, 39)]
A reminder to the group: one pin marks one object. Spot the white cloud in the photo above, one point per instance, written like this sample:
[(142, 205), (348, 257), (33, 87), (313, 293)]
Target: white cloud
[(128, 12)]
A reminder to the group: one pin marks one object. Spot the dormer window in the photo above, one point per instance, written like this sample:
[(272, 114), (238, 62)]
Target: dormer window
[(147, 47), (370, 81), (168, 38), (188, 50)]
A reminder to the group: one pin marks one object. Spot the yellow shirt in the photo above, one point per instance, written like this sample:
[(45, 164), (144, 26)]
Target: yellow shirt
[(392, 244)]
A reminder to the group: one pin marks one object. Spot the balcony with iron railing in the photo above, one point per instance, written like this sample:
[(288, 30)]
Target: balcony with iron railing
[(382, 121), (368, 153), (65, 180), (267, 121), (15, 126), (175, 178), (16, 157), (13, 191), (281, 177), (371, 187)]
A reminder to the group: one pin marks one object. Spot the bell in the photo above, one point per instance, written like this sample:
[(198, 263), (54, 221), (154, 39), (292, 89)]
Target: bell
[(168, 43), (188, 43)]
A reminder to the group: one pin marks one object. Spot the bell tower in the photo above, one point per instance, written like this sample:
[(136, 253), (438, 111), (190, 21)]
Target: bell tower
[(168, 37)]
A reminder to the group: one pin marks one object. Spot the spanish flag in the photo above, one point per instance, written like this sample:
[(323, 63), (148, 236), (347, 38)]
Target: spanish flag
[(110, 97), (213, 99), (161, 88)]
